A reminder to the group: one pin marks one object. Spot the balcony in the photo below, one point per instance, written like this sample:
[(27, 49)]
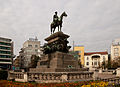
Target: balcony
[(5, 50), (5, 62), (5, 58), (5, 45), (5, 41), (5, 54)]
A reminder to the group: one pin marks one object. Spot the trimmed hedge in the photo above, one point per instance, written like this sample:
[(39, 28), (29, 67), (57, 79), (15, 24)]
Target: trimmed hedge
[(3, 75)]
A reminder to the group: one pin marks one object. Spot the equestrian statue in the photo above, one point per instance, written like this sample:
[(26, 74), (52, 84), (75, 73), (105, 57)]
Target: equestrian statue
[(57, 22)]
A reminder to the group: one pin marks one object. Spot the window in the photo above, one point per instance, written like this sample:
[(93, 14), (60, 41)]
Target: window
[(6, 48), (36, 45), (92, 63), (2, 60), (5, 56), (36, 50), (77, 52), (70, 66), (103, 58), (87, 58), (95, 63), (5, 52), (29, 45), (87, 63), (3, 43), (116, 54), (99, 63), (116, 49), (29, 50)]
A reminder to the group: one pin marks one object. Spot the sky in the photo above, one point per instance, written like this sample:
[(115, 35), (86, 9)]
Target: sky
[(91, 23)]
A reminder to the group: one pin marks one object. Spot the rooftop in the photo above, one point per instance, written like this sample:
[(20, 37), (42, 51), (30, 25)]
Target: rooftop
[(102, 53), (6, 39)]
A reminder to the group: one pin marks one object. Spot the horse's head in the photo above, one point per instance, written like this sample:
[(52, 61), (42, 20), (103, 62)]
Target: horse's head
[(64, 14)]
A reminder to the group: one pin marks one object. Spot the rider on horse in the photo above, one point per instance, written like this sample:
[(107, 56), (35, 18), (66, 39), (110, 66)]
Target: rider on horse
[(57, 22), (55, 18)]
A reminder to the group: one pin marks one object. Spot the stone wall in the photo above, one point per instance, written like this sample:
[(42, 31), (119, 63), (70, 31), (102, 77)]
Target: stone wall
[(56, 62), (118, 72), (47, 77), (18, 76), (50, 77)]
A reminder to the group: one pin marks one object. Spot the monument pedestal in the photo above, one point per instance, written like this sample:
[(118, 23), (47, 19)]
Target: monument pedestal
[(56, 42), (56, 65), (56, 55), (58, 62)]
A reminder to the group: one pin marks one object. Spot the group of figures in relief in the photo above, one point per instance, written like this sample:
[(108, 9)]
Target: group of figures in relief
[(60, 45)]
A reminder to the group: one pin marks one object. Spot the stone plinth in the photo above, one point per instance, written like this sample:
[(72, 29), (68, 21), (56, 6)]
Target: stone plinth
[(56, 55), (56, 65), (56, 42), (58, 61), (18, 76), (118, 72), (56, 36)]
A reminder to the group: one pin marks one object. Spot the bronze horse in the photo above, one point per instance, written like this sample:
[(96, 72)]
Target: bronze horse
[(58, 23)]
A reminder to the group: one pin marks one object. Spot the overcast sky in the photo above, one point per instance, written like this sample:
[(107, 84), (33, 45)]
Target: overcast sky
[(92, 23)]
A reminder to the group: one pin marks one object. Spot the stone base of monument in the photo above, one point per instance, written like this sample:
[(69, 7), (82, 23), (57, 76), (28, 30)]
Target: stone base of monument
[(51, 77), (57, 62), (118, 72), (57, 65)]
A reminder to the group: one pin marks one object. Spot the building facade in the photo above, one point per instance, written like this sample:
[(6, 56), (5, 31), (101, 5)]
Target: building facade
[(80, 51), (6, 53), (95, 59), (115, 49), (30, 47), (16, 62)]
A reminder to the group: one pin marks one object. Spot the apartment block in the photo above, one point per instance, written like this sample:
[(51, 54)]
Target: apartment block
[(115, 49), (30, 47), (6, 53)]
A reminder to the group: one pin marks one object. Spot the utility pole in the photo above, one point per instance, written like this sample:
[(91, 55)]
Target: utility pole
[(73, 46)]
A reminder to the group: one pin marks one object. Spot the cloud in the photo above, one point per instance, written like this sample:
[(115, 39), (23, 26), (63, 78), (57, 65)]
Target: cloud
[(92, 23)]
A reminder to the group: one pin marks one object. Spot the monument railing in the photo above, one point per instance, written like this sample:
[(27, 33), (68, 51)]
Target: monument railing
[(17, 76), (50, 76), (114, 80), (59, 76)]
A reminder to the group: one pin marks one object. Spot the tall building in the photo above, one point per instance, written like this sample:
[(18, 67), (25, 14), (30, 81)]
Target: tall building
[(115, 49), (95, 59), (6, 53), (30, 47), (80, 51)]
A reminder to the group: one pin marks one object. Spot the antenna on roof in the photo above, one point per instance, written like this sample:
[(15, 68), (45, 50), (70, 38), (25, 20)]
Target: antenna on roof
[(36, 38), (73, 45)]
